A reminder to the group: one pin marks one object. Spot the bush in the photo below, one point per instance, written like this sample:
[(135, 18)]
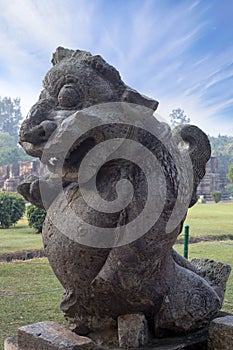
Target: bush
[(216, 196), (230, 174), (36, 217), (12, 208)]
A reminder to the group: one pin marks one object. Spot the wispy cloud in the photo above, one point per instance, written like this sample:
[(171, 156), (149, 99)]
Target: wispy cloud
[(161, 49)]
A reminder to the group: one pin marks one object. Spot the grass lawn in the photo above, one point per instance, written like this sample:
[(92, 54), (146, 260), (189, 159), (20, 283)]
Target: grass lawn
[(19, 237), (29, 293), (211, 219), (204, 219)]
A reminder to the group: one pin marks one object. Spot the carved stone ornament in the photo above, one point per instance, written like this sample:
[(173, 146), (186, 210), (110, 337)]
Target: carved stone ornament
[(119, 186)]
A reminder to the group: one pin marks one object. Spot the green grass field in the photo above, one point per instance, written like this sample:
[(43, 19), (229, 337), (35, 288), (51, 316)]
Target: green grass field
[(205, 220), (31, 293), (18, 238), (211, 219)]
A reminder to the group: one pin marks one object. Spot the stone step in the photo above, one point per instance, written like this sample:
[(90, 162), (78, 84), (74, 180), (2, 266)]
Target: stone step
[(54, 336)]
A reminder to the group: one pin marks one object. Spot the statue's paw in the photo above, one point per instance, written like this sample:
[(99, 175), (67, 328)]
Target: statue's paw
[(189, 304), (29, 188), (41, 191)]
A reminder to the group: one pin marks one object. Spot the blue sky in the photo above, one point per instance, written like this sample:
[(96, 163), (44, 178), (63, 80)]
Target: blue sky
[(178, 52)]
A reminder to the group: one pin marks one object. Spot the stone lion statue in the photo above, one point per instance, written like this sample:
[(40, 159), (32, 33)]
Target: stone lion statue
[(109, 262)]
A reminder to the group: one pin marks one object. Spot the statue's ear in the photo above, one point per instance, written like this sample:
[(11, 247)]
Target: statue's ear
[(132, 96), (197, 143)]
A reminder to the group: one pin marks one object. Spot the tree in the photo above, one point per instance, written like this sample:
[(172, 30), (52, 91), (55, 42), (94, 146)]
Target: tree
[(7, 141), (229, 189), (178, 117), (36, 217), (10, 116), (10, 153), (12, 156), (230, 173), (12, 208)]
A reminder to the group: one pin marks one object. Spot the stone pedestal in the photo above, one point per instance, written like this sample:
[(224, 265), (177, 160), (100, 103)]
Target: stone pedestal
[(10, 344), (221, 333), (132, 334), (51, 336), (132, 331)]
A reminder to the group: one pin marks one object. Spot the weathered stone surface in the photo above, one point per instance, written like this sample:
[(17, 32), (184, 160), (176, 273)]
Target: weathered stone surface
[(110, 243), (107, 338), (216, 273), (221, 334), (10, 344), (193, 341), (51, 336), (132, 331)]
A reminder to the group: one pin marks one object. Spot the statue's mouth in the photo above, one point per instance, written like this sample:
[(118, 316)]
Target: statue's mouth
[(34, 150), (33, 138)]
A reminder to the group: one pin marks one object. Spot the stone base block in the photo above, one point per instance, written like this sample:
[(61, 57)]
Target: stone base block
[(51, 336), (192, 341), (10, 344), (221, 334), (132, 331), (54, 336)]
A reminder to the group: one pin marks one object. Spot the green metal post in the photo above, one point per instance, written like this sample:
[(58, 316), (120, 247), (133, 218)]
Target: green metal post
[(186, 241)]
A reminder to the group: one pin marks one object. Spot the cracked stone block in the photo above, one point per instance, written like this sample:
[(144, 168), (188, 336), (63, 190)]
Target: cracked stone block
[(214, 272), (132, 331), (51, 336), (221, 333), (10, 344)]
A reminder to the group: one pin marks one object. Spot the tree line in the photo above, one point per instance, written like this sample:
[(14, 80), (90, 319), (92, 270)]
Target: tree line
[(221, 146), (10, 120)]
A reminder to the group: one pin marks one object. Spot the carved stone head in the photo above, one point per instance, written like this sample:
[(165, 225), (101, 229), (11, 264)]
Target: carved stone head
[(77, 80)]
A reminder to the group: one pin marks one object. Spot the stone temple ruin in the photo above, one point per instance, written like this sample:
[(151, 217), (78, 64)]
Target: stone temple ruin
[(213, 181), (12, 174), (117, 193)]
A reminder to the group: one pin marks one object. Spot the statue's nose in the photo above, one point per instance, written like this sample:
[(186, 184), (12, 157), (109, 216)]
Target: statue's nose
[(39, 133)]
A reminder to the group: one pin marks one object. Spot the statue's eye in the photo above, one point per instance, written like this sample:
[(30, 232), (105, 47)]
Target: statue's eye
[(69, 96)]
